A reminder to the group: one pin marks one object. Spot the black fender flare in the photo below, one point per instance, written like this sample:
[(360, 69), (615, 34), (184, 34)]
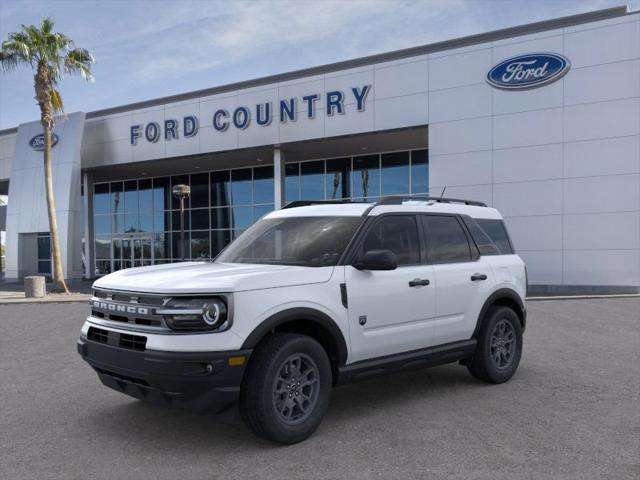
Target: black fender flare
[(496, 297), (300, 314)]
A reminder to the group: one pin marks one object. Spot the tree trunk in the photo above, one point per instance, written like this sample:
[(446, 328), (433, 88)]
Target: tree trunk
[(59, 284), (43, 86)]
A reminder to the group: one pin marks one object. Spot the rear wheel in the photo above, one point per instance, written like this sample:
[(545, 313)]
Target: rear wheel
[(287, 388), (499, 346)]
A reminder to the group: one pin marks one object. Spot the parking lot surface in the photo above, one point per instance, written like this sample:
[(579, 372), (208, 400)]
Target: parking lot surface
[(571, 412)]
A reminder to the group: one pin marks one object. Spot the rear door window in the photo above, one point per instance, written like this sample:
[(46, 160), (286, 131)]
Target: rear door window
[(446, 239)]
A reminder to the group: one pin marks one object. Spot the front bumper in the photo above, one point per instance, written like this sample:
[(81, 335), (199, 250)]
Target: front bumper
[(197, 381)]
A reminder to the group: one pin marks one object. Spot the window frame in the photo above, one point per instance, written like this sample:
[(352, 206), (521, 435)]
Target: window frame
[(473, 248)]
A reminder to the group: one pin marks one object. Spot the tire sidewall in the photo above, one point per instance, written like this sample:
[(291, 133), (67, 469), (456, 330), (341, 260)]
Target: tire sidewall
[(296, 433), (500, 375)]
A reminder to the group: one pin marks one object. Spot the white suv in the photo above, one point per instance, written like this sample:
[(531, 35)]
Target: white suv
[(312, 296)]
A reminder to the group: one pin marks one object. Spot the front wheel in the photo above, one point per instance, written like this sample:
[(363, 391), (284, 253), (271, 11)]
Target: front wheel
[(499, 346), (287, 388)]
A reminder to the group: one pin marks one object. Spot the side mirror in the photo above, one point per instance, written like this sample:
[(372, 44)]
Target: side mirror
[(377, 260)]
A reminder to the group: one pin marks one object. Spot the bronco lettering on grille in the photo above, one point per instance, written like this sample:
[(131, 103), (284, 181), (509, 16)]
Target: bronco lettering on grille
[(117, 307)]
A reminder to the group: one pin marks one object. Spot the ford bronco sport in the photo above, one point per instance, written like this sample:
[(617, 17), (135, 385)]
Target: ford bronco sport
[(312, 296)]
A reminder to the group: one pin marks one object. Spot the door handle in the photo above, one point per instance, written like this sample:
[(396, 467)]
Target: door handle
[(419, 282), (478, 276)]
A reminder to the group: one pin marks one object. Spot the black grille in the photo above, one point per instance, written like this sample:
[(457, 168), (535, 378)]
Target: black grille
[(133, 342), (122, 340), (98, 335)]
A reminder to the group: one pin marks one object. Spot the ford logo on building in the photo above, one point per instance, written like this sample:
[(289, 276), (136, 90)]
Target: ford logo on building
[(528, 71), (37, 142)]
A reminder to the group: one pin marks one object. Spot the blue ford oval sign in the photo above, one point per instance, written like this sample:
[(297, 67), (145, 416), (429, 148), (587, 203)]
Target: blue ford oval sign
[(528, 71), (37, 142)]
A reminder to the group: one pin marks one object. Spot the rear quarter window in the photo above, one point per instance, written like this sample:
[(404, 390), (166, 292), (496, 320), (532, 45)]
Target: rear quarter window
[(490, 236)]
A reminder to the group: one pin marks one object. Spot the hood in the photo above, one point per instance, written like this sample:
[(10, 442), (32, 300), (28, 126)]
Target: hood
[(206, 277)]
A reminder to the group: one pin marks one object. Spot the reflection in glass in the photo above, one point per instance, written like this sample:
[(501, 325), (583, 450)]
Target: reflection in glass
[(337, 179), (200, 190), (101, 198), (44, 267), (44, 247), (175, 220), (200, 219), (131, 223), (103, 267), (263, 185), (199, 245), (420, 171), (103, 247), (241, 186), (102, 224), (144, 205), (395, 173), (242, 217), (220, 218), (117, 223), (160, 242), (220, 189), (261, 210), (145, 195), (219, 240), (146, 222), (161, 194), (175, 245), (117, 249), (292, 182), (161, 221), (117, 198), (366, 177), (131, 203), (312, 180)]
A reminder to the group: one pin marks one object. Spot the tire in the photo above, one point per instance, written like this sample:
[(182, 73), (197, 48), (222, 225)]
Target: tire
[(496, 359), (271, 405)]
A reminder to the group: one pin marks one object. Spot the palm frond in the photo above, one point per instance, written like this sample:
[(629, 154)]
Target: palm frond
[(56, 101), (9, 61), (79, 61), (47, 26)]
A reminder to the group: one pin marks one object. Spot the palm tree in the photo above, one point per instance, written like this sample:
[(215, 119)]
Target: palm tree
[(50, 55)]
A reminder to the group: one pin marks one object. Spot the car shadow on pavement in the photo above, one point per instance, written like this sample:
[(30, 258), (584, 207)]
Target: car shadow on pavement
[(139, 422)]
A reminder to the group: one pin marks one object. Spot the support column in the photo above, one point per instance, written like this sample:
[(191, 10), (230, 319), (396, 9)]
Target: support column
[(89, 255), (278, 177)]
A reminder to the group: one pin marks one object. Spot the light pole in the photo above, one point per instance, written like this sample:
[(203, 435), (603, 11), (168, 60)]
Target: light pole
[(182, 192)]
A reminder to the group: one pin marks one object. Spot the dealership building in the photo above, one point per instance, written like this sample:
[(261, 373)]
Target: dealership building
[(541, 121)]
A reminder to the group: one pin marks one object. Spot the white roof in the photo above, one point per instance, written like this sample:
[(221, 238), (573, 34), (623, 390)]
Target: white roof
[(357, 209)]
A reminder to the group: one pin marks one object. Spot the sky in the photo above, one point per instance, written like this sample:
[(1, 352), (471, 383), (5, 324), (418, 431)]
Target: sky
[(149, 49)]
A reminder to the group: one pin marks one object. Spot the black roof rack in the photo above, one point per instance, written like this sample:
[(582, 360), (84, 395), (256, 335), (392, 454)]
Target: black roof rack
[(306, 203), (398, 199), (388, 200)]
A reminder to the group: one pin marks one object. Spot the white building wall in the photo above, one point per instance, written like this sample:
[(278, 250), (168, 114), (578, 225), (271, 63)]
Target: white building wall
[(561, 162), (7, 152), (27, 207)]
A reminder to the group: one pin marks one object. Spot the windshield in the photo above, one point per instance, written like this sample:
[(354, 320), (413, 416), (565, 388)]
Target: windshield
[(304, 241)]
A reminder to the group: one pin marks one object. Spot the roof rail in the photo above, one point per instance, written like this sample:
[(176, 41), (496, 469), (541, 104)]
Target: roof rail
[(399, 199), (306, 203)]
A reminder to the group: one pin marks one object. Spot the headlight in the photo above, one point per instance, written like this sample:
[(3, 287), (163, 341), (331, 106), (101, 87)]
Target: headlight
[(196, 314)]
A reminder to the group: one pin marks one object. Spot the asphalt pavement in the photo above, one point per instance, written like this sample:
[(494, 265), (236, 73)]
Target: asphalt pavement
[(571, 412)]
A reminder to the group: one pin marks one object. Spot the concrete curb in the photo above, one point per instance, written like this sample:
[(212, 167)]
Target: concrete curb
[(74, 298), (582, 297)]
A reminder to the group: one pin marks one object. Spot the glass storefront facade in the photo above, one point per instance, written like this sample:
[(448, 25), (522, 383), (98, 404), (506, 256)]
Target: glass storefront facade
[(137, 222)]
